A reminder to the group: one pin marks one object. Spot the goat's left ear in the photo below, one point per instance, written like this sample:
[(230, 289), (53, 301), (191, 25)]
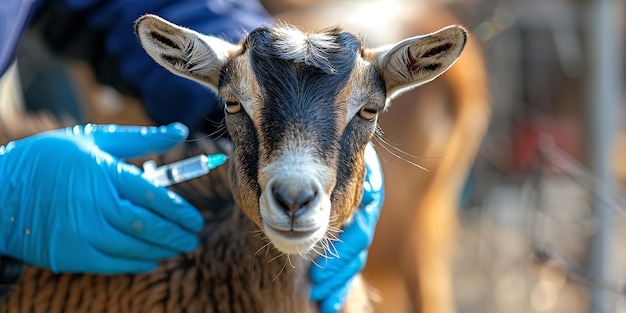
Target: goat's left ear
[(183, 51), (418, 60)]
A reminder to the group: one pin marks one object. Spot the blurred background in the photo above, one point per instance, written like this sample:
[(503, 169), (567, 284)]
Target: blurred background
[(540, 207), (543, 213)]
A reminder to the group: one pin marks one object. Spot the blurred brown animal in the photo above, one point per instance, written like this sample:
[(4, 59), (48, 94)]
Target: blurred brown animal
[(439, 126), (265, 171)]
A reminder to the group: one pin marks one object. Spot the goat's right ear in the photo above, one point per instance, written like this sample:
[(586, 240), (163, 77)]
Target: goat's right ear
[(183, 51)]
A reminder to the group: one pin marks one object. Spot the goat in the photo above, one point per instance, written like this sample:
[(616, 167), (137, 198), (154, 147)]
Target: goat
[(300, 109)]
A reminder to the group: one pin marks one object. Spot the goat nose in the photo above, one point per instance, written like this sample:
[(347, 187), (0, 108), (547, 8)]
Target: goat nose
[(294, 204)]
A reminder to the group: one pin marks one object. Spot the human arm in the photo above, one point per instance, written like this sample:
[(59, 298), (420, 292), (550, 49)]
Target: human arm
[(333, 279), (68, 203), (101, 32)]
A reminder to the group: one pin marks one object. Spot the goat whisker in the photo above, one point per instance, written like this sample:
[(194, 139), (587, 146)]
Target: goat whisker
[(333, 230), (276, 257), (309, 258), (267, 245), (320, 254), (290, 263), (282, 269), (258, 233), (397, 154), (332, 237), (331, 248)]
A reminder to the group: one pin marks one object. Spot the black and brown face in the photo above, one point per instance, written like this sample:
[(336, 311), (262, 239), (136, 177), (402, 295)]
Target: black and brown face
[(300, 109)]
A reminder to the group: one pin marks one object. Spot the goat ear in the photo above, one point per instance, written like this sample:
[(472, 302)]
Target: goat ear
[(418, 60), (183, 51)]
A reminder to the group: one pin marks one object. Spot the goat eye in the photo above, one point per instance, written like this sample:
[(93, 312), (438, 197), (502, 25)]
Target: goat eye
[(232, 105), (368, 112)]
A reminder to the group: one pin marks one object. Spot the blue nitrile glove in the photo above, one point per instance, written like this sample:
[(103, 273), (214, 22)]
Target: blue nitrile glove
[(68, 203), (333, 278)]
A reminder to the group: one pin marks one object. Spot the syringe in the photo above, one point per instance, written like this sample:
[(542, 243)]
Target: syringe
[(182, 170)]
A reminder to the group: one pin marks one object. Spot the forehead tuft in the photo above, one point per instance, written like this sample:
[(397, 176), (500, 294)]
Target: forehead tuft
[(331, 51)]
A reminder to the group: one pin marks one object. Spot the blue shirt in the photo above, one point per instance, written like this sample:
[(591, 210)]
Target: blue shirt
[(167, 98), (14, 15)]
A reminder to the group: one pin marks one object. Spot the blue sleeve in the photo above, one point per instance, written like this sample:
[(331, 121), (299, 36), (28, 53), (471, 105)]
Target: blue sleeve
[(167, 98), (14, 15)]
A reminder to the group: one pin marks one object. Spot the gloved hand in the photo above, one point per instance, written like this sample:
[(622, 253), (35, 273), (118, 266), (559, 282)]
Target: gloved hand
[(69, 204), (333, 279)]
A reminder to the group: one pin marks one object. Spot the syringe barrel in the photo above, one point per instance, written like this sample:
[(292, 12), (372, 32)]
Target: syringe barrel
[(179, 171)]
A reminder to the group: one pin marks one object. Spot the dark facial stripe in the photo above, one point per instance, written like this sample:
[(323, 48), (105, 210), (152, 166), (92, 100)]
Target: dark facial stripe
[(299, 97), (245, 142), (352, 143)]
